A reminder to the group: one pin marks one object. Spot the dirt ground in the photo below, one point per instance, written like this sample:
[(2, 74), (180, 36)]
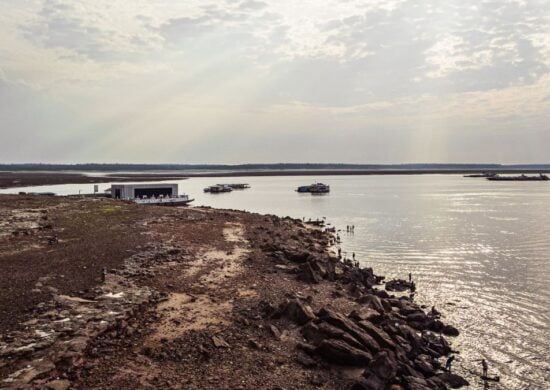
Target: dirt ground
[(104, 294)]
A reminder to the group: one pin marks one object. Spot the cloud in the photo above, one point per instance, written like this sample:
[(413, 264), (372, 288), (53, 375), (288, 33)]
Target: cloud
[(98, 75), (252, 5)]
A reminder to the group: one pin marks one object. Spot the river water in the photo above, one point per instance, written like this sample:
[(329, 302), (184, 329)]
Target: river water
[(478, 250)]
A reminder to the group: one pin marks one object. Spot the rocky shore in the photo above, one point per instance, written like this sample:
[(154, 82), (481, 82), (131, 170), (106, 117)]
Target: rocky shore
[(197, 298)]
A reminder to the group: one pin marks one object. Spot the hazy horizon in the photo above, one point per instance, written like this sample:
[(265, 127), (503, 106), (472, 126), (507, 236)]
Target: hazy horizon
[(387, 82)]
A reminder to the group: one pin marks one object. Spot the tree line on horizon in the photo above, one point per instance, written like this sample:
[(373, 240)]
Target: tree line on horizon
[(263, 166)]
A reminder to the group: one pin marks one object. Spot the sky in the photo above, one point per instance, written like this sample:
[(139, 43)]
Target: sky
[(237, 81)]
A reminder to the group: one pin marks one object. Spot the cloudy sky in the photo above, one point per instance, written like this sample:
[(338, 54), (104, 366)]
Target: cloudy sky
[(364, 81)]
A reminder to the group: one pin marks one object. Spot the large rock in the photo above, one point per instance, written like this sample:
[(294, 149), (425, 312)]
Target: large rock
[(436, 346), (417, 316), (410, 335), (384, 366), (340, 321), (371, 382), (298, 312), (424, 364), (297, 256), (318, 266), (398, 285), (417, 383), (450, 330), (309, 274), (340, 352), (373, 302), (365, 314), (380, 373), (316, 333), (453, 380), (378, 334)]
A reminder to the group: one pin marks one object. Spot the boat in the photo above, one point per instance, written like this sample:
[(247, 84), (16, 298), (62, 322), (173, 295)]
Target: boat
[(316, 188), (237, 186), (521, 177), (218, 188), (484, 174), (180, 200), (319, 188)]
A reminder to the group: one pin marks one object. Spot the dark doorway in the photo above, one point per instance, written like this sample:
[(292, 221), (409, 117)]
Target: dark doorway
[(117, 193), (148, 192)]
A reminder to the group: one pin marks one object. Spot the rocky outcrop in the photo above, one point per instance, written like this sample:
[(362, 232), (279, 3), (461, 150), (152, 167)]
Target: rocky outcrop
[(340, 352), (400, 285), (297, 311), (393, 338)]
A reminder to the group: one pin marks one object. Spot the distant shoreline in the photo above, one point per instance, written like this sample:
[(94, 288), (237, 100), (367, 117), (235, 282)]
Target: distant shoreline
[(361, 172), (15, 179), (258, 167)]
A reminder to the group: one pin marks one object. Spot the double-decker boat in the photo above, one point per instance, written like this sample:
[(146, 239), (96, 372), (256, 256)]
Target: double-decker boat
[(316, 188)]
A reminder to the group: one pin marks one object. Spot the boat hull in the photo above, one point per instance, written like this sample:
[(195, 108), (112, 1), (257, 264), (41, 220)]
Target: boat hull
[(164, 202)]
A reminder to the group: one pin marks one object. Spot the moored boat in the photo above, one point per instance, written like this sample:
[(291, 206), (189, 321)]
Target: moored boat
[(522, 177), (218, 188), (181, 200), (484, 174), (237, 186), (316, 188)]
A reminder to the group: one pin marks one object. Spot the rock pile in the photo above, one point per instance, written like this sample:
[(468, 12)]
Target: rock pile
[(394, 339), (382, 340), (400, 285)]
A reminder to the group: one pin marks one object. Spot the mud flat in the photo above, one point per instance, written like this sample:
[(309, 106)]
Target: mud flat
[(27, 179), (111, 295)]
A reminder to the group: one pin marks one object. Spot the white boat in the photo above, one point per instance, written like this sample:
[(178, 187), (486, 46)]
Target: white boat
[(181, 200)]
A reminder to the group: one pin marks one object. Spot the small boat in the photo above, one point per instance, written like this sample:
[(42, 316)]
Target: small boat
[(218, 188), (319, 188), (237, 186), (316, 188), (484, 174), (181, 200), (522, 177)]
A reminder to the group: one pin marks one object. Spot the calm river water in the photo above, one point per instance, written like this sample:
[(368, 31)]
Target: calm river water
[(478, 250)]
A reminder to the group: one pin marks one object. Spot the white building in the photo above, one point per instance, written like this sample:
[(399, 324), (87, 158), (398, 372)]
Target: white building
[(137, 191)]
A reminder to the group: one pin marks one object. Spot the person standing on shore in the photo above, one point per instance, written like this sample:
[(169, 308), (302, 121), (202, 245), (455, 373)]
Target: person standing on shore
[(410, 277), (449, 363), (485, 367)]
